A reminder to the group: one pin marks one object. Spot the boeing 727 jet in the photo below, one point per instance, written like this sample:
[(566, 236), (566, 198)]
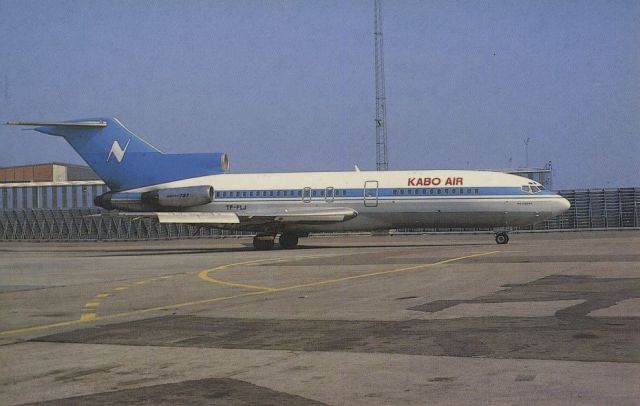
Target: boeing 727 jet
[(196, 189)]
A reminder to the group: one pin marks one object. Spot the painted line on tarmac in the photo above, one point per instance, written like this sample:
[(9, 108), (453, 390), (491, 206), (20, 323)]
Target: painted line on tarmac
[(372, 274), (94, 317), (90, 310), (90, 314), (205, 274)]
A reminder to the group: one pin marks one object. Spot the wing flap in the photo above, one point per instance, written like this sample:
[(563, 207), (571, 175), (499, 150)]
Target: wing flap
[(306, 216), (298, 216), (198, 217), (189, 217)]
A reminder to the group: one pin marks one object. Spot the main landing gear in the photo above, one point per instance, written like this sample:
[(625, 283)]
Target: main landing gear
[(265, 242), (502, 237), (288, 241)]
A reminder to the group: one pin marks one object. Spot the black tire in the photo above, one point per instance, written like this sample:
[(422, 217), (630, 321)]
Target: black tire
[(262, 244), (288, 241), (502, 238)]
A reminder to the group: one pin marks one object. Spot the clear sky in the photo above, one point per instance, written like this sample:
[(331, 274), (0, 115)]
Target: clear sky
[(289, 85)]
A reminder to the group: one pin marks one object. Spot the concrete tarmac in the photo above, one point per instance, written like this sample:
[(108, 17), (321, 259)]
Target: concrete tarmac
[(549, 318)]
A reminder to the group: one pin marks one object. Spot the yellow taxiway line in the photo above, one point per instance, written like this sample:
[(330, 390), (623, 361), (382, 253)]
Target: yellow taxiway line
[(258, 290)]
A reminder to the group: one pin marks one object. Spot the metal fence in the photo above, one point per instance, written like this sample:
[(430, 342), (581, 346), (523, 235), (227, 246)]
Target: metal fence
[(596, 209), (90, 224), (590, 209)]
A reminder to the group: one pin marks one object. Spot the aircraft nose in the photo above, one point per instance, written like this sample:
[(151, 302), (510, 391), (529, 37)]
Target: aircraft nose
[(561, 205)]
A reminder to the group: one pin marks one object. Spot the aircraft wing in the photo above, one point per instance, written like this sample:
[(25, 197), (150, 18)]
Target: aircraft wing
[(213, 218), (298, 216), (310, 215)]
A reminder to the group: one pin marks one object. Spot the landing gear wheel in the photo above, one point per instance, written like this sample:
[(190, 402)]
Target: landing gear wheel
[(502, 238), (263, 242), (288, 241)]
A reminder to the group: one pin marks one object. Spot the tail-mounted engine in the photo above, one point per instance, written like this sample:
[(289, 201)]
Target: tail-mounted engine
[(181, 197)]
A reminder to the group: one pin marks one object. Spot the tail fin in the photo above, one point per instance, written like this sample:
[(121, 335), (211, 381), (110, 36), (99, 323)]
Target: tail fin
[(125, 161)]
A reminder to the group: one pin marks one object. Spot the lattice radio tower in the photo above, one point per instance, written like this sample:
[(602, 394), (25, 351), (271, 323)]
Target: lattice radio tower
[(382, 160)]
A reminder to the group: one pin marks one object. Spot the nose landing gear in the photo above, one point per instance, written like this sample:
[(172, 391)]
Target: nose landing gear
[(502, 238)]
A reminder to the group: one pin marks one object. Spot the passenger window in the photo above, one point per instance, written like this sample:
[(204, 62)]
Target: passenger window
[(477, 191), (431, 192), (299, 193), (453, 191), (401, 191), (409, 191), (395, 191), (322, 193), (446, 191), (461, 191), (315, 193), (439, 191), (329, 194)]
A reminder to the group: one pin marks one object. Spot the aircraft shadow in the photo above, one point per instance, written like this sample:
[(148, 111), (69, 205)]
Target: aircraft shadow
[(249, 247)]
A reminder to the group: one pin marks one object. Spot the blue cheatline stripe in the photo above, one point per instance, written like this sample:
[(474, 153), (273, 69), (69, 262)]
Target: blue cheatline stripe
[(319, 194)]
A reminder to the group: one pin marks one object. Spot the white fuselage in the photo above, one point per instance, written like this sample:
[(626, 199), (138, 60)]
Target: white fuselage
[(384, 200)]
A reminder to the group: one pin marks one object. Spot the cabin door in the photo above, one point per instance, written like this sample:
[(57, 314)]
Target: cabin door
[(371, 193)]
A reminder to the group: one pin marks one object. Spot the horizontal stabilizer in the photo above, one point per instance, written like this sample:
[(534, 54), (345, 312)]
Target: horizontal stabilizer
[(60, 123)]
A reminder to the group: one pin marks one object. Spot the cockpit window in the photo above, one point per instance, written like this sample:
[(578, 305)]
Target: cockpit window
[(532, 188)]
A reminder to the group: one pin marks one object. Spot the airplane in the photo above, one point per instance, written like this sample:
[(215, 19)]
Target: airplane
[(197, 189)]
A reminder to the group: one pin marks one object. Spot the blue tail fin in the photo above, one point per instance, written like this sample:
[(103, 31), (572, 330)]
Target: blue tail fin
[(125, 161)]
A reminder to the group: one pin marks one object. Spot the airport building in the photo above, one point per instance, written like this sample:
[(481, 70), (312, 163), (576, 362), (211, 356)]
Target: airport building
[(49, 186), (54, 201)]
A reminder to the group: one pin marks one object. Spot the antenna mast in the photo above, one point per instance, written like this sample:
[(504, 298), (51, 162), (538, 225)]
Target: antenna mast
[(382, 161)]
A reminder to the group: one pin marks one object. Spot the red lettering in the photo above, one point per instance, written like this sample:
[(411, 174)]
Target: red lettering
[(459, 181), (433, 181)]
